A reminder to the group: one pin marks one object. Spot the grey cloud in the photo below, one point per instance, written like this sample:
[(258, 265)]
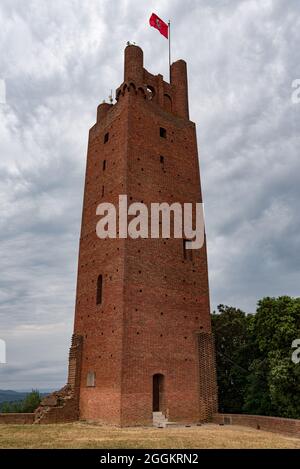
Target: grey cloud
[(64, 58)]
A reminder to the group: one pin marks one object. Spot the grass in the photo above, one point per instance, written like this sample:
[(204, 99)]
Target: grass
[(85, 435)]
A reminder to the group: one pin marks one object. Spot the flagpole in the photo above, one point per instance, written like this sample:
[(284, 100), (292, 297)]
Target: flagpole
[(169, 24)]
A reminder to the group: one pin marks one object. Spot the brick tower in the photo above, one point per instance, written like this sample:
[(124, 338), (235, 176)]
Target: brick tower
[(142, 336)]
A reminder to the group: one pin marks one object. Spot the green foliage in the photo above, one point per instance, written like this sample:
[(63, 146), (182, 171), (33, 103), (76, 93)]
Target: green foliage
[(284, 386), (31, 402), (230, 328), (28, 405), (255, 372), (5, 407)]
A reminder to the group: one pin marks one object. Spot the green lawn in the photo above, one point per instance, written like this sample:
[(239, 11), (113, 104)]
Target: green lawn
[(85, 435)]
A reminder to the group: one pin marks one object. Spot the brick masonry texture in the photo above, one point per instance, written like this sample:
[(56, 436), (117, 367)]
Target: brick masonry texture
[(154, 317), (16, 419), (271, 424)]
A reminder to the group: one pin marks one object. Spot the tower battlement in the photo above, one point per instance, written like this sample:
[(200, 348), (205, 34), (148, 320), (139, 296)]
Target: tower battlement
[(169, 97)]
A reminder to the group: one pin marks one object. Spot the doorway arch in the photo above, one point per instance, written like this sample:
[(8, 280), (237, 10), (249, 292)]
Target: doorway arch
[(158, 386)]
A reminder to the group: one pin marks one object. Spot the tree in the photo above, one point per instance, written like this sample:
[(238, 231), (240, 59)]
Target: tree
[(5, 407), (274, 380), (233, 354), (253, 352), (284, 385), (32, 401), (28, 405)]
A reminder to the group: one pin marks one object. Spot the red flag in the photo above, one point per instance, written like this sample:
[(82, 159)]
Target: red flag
[(159, 24)]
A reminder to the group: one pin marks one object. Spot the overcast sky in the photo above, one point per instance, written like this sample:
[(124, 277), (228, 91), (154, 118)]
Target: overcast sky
[(59, 60)]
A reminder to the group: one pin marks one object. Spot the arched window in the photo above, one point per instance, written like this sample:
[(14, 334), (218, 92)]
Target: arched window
[(99, 289), (141, 92), (151, 92), (118, 95), (132, 88)]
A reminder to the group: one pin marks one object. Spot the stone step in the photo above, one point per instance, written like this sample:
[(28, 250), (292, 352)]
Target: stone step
[(162, 417), (159, 420)]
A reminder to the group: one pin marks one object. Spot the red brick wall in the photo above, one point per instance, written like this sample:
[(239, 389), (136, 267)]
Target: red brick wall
[(155, 303), (271, 424), (60, 414), (16, 419), (102, 325)]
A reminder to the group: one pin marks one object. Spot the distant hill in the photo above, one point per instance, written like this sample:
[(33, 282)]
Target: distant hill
[(15, 396), (12, 396)]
